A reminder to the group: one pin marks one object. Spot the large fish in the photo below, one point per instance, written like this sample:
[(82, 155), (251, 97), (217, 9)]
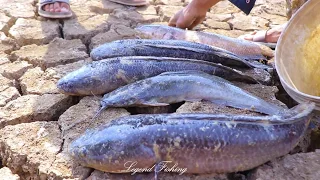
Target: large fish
[(170, 48), (198, 143), (173, 87), (100, 77), (245, 49)]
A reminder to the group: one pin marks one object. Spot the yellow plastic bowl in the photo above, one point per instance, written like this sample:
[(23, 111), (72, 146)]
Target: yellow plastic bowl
[(289, 51)]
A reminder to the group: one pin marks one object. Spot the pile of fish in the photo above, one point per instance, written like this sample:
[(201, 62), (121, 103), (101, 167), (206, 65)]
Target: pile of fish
[(172, 48), (154, 72)]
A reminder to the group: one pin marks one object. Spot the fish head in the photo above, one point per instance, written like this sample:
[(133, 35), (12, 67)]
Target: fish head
[(151, 31), (80, 82), (108, 148), (114, 49), (119, 99)]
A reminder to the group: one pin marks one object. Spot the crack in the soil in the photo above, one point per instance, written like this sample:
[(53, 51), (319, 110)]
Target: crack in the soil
[(61, 25), (62, 144), (62, 148), (230, 25), (10, 40), (88, 46), (89, 173), (10, 24), (18, 87), (74, 100)]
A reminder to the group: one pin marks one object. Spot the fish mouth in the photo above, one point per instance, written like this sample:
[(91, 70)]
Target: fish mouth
[(73, 150), (76, 150), (62, 85), (65, 88)]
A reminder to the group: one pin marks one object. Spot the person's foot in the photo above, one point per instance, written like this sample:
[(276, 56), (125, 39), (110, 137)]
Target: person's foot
[(269, 36), (57, 7)]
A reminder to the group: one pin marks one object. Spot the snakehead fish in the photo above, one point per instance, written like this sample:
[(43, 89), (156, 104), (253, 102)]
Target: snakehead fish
[(174, 87), (170, 48), (100, 77), (200, 143)]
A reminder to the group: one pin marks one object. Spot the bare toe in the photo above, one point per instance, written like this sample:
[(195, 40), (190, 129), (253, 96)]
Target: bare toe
[(47, 8), (51, 8), (56, 7), (65, 6)]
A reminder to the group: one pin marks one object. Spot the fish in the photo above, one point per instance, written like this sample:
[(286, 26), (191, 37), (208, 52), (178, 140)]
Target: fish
[(100, 77), (170, 48), (243, 48), (199, 143), (173, 87)]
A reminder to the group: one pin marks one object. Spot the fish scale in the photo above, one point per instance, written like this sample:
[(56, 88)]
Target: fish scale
[(201, 143)]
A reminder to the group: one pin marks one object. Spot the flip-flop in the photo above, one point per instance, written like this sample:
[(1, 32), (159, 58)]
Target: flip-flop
[(56, 15), (131, 2)]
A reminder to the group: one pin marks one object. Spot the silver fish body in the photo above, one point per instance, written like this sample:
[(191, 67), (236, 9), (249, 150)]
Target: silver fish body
[(245, 49), (100, 77), (170, 48), (201, 143), (173, 87)]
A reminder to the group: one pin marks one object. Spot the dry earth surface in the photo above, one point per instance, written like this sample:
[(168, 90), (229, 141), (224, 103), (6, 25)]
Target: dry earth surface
[(38, 123)]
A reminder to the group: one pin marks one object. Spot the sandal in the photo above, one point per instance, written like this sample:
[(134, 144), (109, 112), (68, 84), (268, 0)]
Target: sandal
[(48, 14), (131, 2)]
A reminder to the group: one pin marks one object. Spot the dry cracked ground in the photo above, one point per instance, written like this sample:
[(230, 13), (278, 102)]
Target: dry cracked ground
[(38, 123)]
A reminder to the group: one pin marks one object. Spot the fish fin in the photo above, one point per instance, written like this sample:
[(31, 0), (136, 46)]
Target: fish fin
[(218, 102), (220, 51), (195, 72), (193, 100), (154, 104), (182, 72), (179, 47), (227, 103)]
